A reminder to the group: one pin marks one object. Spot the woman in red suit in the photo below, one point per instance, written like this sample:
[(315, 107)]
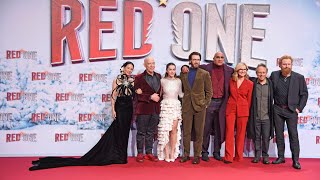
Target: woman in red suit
[(237, 112)]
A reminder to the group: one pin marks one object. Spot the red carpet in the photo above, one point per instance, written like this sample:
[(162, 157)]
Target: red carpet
[(17, 168)]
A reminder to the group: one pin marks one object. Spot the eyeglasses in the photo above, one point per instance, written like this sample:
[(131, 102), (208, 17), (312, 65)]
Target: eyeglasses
[(219, 57), (242, 69)]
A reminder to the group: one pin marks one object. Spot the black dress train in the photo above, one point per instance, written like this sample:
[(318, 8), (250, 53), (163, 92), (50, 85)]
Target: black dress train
[(111, 148)]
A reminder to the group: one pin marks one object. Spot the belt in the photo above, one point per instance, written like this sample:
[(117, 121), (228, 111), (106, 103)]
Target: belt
[(216, 99), (283, 106)]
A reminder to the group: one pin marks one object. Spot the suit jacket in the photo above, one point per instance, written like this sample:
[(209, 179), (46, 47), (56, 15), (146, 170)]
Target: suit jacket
[(144, 104), (253, 110), (298, 91), (222, 112), (239, 101), (199, 95)]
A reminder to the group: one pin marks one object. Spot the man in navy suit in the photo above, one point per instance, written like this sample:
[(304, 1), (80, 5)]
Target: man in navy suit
[(290, 97)]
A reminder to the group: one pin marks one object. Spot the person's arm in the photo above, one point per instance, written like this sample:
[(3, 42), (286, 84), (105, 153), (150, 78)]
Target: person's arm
[(114, 97), (303, 93), (144, 97), (180, 93), (250, 93), (208, 88)]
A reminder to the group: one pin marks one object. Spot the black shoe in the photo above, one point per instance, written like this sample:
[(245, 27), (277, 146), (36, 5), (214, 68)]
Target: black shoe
[(279, 161), (227, 162), (196, 160), (255, 160), (296, 165), (205, 157), (184, 159), (265, 160), (217, 157)]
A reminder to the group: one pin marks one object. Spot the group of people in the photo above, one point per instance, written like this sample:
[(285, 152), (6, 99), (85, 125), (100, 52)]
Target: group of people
[(216, 100)]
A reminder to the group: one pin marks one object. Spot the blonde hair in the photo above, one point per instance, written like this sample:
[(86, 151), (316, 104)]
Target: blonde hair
[(236, 69)]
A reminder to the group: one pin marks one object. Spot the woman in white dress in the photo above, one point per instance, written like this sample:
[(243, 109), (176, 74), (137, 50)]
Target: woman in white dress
[(169, 132)]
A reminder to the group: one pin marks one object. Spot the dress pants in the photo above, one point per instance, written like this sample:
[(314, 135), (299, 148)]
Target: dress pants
[(282, 115), (262, 130), (146, 129), (196, 119), (241, 123), (212, 123)]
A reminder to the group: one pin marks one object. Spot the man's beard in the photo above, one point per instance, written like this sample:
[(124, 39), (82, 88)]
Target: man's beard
[(286, 71)]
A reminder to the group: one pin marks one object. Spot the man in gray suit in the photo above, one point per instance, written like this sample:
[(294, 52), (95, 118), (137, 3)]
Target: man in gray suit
[(197, 89), (290, 97)]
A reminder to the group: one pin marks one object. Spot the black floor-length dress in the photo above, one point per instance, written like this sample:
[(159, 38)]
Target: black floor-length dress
[(110, 149)]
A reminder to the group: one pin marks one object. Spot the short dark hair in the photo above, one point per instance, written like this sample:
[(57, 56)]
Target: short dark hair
[(194, 53), (262, 65)]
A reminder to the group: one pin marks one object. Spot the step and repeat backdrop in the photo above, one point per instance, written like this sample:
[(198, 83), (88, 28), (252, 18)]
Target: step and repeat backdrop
[(58, 59)]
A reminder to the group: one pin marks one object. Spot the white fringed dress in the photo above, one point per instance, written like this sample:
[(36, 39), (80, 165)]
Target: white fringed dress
[(170, 111)]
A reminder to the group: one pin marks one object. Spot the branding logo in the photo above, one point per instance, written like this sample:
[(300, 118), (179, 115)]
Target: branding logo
[(38, 76), (12, 96), (22, 136), (295, 62), (84, 77), (36, 117), (6, 117), (106, 97), (60, 137), (313, 81), (92, 117), (5, 75), (14, 54), (314, 120), (70, 96)]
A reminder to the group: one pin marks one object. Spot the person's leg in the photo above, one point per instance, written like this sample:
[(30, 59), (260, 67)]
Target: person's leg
[(173, 138), (207, 132), (279, 128), (257, 139), (151, 130), (241, 133), (187, 127), (199, 120), (266, 125), (142, 123), (292, 125), (229, 143)]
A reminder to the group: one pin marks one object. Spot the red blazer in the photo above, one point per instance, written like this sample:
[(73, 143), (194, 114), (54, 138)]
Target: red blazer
[(144, 104), (239, 101)]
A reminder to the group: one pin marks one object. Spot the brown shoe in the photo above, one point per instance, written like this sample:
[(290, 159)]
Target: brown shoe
[(184, 159), (151, 158), (196, 160), (140, 158)]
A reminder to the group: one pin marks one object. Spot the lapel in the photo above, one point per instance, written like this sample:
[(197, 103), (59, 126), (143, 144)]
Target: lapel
[(144, 77), (185, 80), (276, 78), (293, 78), (195, 78)]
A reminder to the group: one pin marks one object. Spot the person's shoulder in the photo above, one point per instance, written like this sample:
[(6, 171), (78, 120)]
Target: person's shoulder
[(297, 74)]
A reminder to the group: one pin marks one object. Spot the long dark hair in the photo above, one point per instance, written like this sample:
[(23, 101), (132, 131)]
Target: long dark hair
[(125, 65), (167, 66)]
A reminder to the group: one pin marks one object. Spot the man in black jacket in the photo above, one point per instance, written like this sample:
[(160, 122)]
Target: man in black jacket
[(290, 97), (260, 124)]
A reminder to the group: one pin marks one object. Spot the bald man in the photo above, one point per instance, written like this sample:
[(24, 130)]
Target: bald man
[(147, 109), (216, 112)]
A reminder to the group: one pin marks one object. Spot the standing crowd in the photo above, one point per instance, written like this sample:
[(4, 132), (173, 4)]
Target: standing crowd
[(212, 99)]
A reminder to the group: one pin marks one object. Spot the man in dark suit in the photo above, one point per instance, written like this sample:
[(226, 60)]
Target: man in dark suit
[(197, 90), (215, 122), (260, 125), (147, 109), (290, 97)]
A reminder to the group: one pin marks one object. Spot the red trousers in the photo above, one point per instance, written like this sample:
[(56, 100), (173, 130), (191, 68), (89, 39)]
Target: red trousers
[(240, 123)]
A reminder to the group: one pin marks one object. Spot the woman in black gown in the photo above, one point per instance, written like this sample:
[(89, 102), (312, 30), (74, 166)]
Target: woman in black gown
[(112, 147)]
